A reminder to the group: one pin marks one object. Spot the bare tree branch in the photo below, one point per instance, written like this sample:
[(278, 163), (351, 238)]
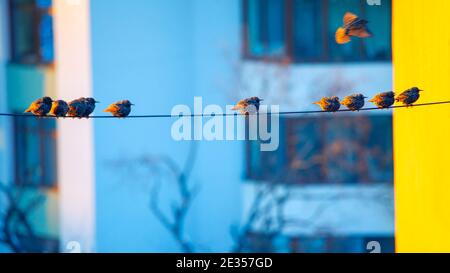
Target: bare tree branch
[(16, 226), (174, 220)]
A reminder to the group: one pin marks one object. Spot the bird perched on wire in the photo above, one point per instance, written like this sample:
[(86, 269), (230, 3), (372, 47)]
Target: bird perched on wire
[(383, 100), (409, 97), (329, 104), (89, 104), (248, 106), (120, 109), (353, 26), (354, 102), (59, 108), (77, 108), (40, 107)]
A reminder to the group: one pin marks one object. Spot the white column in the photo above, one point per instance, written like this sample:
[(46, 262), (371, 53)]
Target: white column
[(6, 145), (76, 174)]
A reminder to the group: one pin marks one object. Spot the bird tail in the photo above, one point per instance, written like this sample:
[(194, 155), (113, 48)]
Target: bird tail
[(345, 101), (109, 109), (341, 36), (236, 108), (316, 102), (28, 110)]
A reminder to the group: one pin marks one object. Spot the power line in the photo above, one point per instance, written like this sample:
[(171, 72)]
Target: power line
[(231, 114)]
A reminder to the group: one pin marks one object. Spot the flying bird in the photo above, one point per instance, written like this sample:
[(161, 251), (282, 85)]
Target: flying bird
[(353, 26), (383, 100), (40, 107), (120, 109), (248, 106), (77, 108), (329, 104), (89, 104), (409, 97), (59, 108), (354, 102)]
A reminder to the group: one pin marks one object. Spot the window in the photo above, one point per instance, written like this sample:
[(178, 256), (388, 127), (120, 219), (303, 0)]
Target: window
[(266, 21), (304, 30), (324, 149), (31, 31), (35, 152)]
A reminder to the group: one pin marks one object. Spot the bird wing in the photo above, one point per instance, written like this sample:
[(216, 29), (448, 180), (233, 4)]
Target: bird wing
[(402, 96), (360, 31), (349, 18)]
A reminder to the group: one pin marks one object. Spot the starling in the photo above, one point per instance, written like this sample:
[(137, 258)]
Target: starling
[(59, 108), (248, 106), (120, 109), (354, 102), (353, 26), (40, 107), (77, 108), (384, 100), (409, 97), (89, 104), (329, 104)]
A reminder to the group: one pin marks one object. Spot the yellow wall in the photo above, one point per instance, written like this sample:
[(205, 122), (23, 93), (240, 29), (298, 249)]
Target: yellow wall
[(421, 46)]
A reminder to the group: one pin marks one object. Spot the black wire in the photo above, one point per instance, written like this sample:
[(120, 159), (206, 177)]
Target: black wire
[(232, 114)]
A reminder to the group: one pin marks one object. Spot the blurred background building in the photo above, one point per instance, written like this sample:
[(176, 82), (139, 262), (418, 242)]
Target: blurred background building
[(125, 186)]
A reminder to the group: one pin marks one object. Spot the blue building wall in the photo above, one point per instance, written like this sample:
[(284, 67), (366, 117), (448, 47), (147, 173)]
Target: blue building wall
[(217, 45), (158, 54)]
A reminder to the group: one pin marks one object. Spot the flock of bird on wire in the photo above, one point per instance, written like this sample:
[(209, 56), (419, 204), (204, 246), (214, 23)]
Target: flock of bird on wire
[(382, 100), (353, 102), (79, 108), (353, 27)]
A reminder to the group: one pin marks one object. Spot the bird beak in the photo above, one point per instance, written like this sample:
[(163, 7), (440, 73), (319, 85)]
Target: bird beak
[(97, 102), (421, 90), (261, 100), (133, 104), (366, 97)]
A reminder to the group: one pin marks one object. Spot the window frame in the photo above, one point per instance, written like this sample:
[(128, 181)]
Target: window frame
[(41, 132), (285, 154), (289, 15)]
